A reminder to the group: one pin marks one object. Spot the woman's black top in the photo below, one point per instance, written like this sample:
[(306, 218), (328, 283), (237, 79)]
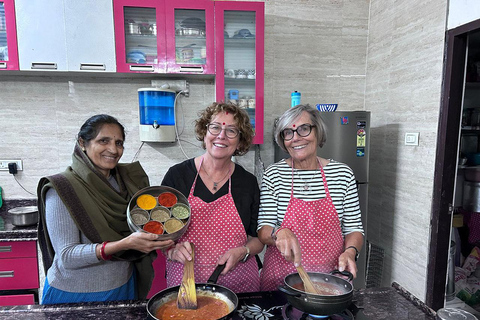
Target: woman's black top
[(245, 190)]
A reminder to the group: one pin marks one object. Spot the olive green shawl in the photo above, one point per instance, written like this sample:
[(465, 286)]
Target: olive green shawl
[(99, 211)]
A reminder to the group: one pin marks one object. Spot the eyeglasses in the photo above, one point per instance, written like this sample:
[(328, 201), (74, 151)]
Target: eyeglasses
[(215, 129), (303, 131)]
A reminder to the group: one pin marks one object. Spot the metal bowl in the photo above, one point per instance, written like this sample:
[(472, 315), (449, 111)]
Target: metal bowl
[(24, 216), (156, 191)]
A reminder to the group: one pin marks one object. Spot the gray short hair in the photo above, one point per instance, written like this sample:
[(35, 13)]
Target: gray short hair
[(293, 113)]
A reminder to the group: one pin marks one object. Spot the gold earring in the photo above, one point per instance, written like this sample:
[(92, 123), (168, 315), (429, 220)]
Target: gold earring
[(83, 149)]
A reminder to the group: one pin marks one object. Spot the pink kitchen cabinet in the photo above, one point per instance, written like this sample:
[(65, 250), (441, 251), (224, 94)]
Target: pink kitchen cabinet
[(8, 36), (164, 36), (239, 43), (18, 271)]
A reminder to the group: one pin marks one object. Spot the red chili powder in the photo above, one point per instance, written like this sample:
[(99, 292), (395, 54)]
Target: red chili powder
[(167, 199), (153, 227)]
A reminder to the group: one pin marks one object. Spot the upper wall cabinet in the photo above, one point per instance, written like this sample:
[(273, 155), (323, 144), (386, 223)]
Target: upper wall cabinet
[(8, 36), (65, 35), (239, 43), (90, 35), (41, 35), (190, 37), (164, 36)]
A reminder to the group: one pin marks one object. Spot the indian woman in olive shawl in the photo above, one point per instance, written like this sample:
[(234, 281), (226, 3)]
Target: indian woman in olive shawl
[(88, 250)]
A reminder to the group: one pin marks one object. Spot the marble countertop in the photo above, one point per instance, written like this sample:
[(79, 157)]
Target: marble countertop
[(373, 303), (9, 232)]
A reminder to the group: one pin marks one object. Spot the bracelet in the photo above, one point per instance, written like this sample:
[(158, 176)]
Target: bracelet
[(102, 251), (275, 231), (356, 251)]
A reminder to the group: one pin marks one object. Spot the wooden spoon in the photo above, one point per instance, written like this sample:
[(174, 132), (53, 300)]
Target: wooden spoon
[(187, 294), (307, 282)]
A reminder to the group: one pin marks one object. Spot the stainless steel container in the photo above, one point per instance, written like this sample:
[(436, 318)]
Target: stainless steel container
[(471, 196), (453, 314), (24, 216), (132, 28)]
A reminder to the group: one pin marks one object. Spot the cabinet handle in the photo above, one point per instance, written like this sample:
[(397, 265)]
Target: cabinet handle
[(92, 66), (6, 274), (5, 248), (44, 65), (141, 68), (3, 65), (191, 69)]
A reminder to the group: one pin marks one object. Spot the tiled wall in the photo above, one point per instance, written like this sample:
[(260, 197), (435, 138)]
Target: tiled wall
[(404, 79)]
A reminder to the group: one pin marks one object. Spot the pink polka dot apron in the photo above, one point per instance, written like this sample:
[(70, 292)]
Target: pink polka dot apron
[(317, 228), (215, 228)]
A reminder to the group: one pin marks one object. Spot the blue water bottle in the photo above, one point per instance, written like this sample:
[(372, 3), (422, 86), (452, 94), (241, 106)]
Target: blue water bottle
[(296, 98)]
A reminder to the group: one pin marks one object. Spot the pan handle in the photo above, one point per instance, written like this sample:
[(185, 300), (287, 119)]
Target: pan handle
[(343, 273), (289, 291), (214, 277)]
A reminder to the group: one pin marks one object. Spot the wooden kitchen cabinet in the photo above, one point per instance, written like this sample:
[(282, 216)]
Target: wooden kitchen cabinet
[(164, 36), (8, 36), (65, 35), (239, 41), (19, 279)]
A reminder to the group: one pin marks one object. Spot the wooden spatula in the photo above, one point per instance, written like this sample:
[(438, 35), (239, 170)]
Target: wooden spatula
[(307, 282), (187, 295)]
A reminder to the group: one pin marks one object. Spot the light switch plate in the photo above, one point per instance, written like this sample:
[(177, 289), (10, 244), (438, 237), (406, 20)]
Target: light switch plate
[(411, 138)]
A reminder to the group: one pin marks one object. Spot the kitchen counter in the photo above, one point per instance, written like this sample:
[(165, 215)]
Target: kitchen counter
[(9, 232), (373, 303)]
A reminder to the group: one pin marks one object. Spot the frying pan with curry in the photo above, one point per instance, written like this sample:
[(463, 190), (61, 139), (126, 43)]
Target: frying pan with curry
[(335, 293), (211, 298)]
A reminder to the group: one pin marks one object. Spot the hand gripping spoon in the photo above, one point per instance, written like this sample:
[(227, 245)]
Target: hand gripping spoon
[(187, 295)]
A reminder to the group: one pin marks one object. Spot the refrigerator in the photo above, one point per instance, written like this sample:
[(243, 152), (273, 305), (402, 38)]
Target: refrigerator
[(348, 141)]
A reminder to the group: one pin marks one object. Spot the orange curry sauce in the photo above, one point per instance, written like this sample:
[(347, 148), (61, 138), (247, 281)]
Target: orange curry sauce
[(208, 308)]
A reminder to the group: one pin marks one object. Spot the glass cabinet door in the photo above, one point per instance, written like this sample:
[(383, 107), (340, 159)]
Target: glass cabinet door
[(190, 46), (140, 36), (241, 58), (8, 36)]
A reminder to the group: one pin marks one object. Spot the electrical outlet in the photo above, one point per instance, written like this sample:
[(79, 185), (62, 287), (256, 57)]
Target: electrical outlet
[(175, 85), (4, 164)]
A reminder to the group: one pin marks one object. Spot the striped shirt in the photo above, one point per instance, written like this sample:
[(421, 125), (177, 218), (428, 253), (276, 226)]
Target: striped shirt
[(276, 189)]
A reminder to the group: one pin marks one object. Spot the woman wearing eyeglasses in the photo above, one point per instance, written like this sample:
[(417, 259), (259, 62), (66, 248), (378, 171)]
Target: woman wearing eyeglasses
[(224, 200), (309, 207)]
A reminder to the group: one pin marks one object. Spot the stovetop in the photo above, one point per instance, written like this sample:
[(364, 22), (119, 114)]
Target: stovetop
[(273, 305)]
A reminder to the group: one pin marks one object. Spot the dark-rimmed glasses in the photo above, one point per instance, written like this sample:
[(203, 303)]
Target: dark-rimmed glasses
[(303, 131), (215, 130)]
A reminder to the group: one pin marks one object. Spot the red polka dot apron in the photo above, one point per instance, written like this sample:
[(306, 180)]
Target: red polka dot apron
[(215, 228), (317, 228)]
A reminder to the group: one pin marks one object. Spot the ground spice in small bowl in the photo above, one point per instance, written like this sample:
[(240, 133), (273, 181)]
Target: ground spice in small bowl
[(160, 214), (139, 217), (153, 227), (167, 199), (180, 211), (173, 225), (146, 201)]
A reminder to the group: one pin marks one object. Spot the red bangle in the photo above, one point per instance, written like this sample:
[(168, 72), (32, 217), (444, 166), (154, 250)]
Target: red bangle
[(102, 251)]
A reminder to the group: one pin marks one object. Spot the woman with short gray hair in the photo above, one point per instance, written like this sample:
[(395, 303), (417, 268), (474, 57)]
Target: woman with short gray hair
[(309, 207)]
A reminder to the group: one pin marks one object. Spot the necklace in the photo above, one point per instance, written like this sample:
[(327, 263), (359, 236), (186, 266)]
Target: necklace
[(306, 184), (215, 183)]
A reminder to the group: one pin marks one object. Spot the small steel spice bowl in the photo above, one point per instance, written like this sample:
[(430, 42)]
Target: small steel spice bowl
[(24, 216)]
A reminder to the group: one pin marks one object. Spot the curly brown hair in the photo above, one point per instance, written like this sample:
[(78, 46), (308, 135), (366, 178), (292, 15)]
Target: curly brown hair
[(239, 115)]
